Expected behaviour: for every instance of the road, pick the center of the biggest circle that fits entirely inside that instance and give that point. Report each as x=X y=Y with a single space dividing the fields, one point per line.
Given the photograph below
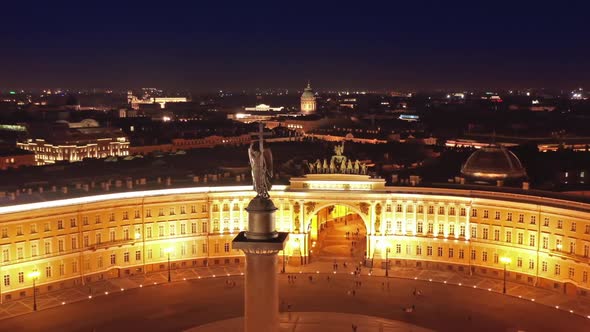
x=185 y=304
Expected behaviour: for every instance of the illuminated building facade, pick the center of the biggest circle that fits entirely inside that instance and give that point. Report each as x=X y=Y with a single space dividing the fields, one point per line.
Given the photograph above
x=308 y=102
x=78 y=240
x=48 y=153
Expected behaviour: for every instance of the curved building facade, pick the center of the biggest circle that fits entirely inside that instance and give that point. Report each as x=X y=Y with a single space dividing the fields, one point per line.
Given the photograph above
x=308 y=102
x=80 y=240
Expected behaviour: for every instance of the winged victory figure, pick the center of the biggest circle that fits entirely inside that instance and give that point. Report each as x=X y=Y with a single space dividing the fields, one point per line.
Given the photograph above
x=261 y=164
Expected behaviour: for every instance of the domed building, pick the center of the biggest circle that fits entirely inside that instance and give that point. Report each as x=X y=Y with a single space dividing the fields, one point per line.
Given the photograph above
x=308 y=103
x=491 y=164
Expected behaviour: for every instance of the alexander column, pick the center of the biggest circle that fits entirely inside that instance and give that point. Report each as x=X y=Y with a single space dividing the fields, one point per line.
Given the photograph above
x=261 y=243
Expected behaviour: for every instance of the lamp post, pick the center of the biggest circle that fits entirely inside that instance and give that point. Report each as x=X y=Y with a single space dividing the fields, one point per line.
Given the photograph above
x=283 y=260
x=387 y=262
x=34 y=275
x=505 y=261
x=168 y=251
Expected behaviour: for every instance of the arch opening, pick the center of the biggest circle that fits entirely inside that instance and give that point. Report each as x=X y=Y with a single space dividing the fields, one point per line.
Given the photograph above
x=337 y=232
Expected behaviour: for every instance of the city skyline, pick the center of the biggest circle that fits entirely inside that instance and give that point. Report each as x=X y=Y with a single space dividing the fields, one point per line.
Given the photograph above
x=394 y=46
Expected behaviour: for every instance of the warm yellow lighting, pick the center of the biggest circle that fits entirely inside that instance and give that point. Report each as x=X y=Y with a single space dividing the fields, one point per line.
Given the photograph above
x=168 y=250
x=559 y=246
x=505 y=260
x=137 y=236
x=34 y=274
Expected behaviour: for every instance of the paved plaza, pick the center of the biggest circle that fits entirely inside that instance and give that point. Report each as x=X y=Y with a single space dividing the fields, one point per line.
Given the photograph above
x=149 y=303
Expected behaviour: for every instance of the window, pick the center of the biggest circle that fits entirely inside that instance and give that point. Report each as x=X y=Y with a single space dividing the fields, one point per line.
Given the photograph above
x=125 y=215
x=19 y=230
x=559 y=224
x=573 y=229
x=5 y=255
x=461 y=253
x=21 y=277
x=148 y=213
x=19 y=253
x=586 y=250
x=557 y=269
x=74 y=267
x=113 y=259
x=486 y=214
x=485 y=234
x=462 y=231
x=440 y=251
x=203 y=208
x=98 y=238
x=126 y=257
x=150 y=253
x=509 y=216
x=585 y=276
x=544 y=266
x=204 y=247
x=398 y=208
x=183 y=228
x=160 y=212
x=85 y=221
x=533 y=220
x=462 y=212
x=420 y=209
x=473 y=254
x=172 y=229
x=452 y=230
x=519 y=262
x=451 y=253
x=531 y=264
x=410 y=208
x=73 y=222
x=420 y=228
x=558 y=244
x=430 y=228
x=441 y=210
x=193 y=209
x=399 y=226
x=497 y=215
x=572 y=247
x=48 y=271
x=183 y=209
x=112 y=216
x=451 y=211
x=148 y=232
x=474 y=212
x=474 y=231
x=47 y=227
x=97 y=219
x=429 y=251
x=520 y=238
x=60 y=224
x=226 y=247
x=204 y=227
x=60 y=245
x=47 y=248
x=138 y=255
x=521 y=218
x=545 y=242
x=33 y=228
x=194 y=227
x=137 y=214
x=418 y=250
x=33 y=249
x=484 y=256
x=126 y=233
x=112 y=235
x=7 y=280
x=172 y=211
x=216 y=248
x=86 y=241
x=161 y=230
x=546 y=222
x=496 y=235
x=431 y=210
x=532 y=240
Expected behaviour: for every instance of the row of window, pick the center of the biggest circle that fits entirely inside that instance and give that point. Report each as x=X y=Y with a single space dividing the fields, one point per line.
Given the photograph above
x=126 y=259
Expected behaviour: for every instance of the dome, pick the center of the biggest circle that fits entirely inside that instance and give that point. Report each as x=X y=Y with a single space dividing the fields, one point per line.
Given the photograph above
x=493 y=163
x=308 y=92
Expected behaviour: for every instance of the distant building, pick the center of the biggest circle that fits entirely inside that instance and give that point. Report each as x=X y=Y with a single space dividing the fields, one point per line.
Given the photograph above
x=134 y=102
x=308 y=102
x=63 y=141
x=264 y=108
x=15 y=158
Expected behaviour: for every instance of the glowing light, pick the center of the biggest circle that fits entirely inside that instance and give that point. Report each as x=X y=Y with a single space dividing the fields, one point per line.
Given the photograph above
x=63 y=302
x=126 y=195
x=34 y=274
x=106 y=293
x=505 y=260
x=90 y=296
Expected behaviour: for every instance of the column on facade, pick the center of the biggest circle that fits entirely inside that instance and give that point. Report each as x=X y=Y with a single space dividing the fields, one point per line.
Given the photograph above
x=404 y=217
x=467 y=221
x=415 y=218
x=231 y=215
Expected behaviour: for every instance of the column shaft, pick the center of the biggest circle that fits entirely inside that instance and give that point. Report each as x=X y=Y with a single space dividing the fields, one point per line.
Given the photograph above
x=262 y=293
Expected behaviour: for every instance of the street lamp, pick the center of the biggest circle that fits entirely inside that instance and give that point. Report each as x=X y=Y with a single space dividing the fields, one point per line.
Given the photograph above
x=505 y=261
x=387 y=262
x=559 y=246
x=284 y=260
x=168 y=251
x=34 y=275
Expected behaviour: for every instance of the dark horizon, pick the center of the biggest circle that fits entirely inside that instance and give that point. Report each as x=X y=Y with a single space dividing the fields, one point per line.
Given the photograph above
x=383 y=47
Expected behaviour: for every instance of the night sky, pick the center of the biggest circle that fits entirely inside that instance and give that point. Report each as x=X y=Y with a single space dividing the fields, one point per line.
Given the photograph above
x=245 y=45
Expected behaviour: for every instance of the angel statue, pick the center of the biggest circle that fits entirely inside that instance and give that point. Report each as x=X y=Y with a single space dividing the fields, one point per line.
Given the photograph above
x=261 y=163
